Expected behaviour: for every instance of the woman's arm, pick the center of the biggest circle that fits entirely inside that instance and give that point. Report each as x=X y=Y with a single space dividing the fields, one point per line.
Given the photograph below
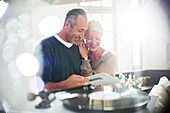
x=85 y=68
x=106 y=64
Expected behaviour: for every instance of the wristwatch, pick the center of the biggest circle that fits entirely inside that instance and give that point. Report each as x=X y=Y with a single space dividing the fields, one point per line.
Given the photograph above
x=85 y=58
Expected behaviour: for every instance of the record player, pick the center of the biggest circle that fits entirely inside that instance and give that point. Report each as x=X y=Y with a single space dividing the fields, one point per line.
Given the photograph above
x=104 y=98
x=102 y=93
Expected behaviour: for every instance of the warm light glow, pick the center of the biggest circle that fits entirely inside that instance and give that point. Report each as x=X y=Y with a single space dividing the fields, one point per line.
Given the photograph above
x=27 y=64
x=3 y=7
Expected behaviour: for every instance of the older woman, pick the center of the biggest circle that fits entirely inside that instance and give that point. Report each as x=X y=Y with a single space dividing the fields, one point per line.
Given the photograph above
x=96 y=59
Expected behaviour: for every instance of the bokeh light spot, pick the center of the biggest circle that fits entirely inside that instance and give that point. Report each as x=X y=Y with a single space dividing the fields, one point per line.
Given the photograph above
x=50 y=25
x=27 y=64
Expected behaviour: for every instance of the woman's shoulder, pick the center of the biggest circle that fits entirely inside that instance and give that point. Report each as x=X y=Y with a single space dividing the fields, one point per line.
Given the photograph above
x=108 y=53
x=109 y=57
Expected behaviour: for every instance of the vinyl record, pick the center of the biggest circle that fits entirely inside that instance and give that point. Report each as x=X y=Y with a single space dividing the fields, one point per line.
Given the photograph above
x=105 y=98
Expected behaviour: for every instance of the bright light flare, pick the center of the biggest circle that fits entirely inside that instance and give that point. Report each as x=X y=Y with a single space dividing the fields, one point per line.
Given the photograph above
x=27 y=64
x=50 y=25
x=3 y=7
x=36 y=84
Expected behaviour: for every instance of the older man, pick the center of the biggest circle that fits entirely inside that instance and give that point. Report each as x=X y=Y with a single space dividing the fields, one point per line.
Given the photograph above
x=59 y=58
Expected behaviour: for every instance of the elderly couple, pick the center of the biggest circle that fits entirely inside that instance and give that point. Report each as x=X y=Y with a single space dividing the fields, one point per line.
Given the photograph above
x=73 y=53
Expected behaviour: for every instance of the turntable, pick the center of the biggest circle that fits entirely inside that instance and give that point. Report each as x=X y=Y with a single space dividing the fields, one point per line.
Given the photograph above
x=104 y=98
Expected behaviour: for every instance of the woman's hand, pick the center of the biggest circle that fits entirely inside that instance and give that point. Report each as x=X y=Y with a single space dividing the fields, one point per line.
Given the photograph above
x=83 y=52
x=82 y=47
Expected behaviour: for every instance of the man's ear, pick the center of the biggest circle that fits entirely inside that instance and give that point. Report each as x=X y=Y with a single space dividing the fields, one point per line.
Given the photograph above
x=67 y=24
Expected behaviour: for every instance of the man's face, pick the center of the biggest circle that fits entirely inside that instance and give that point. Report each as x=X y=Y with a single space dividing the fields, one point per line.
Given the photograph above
x=74 y=34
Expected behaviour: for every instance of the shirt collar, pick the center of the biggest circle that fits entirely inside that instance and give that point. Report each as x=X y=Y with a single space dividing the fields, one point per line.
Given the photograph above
x=67 y=44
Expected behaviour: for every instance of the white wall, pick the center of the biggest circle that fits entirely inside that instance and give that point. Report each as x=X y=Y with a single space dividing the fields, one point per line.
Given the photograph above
x=39 y=13
x=156 y=36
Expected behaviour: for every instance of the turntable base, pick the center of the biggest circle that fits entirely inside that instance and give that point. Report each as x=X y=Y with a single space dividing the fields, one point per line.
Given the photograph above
x=106 y=98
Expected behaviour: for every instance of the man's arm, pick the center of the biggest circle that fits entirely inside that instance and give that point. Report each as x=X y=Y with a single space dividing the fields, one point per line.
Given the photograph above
x=73 y=80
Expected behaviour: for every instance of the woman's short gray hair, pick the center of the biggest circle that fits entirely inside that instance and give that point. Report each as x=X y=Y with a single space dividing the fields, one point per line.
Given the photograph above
x=95 y=26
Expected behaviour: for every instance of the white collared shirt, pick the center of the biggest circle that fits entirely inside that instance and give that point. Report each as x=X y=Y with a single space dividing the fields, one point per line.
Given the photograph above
x=67 y=44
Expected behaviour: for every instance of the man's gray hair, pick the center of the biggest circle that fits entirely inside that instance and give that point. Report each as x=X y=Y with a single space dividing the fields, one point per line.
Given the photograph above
x=95 y=26
x=73 y=14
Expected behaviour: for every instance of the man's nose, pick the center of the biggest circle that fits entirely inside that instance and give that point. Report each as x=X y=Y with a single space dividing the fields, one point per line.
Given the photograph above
x=82 y=35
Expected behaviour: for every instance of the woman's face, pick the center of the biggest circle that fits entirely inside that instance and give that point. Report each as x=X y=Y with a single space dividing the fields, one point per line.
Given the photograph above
x=93 y=40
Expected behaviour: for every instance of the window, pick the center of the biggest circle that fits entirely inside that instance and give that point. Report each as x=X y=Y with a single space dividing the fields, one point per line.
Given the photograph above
x=102 y=11
x=120 y=33
x=102 y=3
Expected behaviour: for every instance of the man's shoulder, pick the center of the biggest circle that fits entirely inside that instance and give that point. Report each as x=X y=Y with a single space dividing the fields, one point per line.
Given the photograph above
x=49 y=40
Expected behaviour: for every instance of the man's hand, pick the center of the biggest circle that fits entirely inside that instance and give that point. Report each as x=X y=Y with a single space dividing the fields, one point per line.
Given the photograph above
x=75 y=80
x=72 y=81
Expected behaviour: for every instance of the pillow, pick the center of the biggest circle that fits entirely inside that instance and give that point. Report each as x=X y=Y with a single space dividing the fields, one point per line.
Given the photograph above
x=162 y=91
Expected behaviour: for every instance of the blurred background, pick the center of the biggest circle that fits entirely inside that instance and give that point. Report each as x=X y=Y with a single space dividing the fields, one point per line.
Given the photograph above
x=136 y=31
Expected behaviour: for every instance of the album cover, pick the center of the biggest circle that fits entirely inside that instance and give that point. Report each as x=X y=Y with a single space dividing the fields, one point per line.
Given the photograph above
x=102 y=79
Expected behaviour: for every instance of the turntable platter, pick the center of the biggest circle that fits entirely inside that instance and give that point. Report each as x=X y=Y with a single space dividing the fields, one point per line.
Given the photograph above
x=101 y=95
x=106 y=98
